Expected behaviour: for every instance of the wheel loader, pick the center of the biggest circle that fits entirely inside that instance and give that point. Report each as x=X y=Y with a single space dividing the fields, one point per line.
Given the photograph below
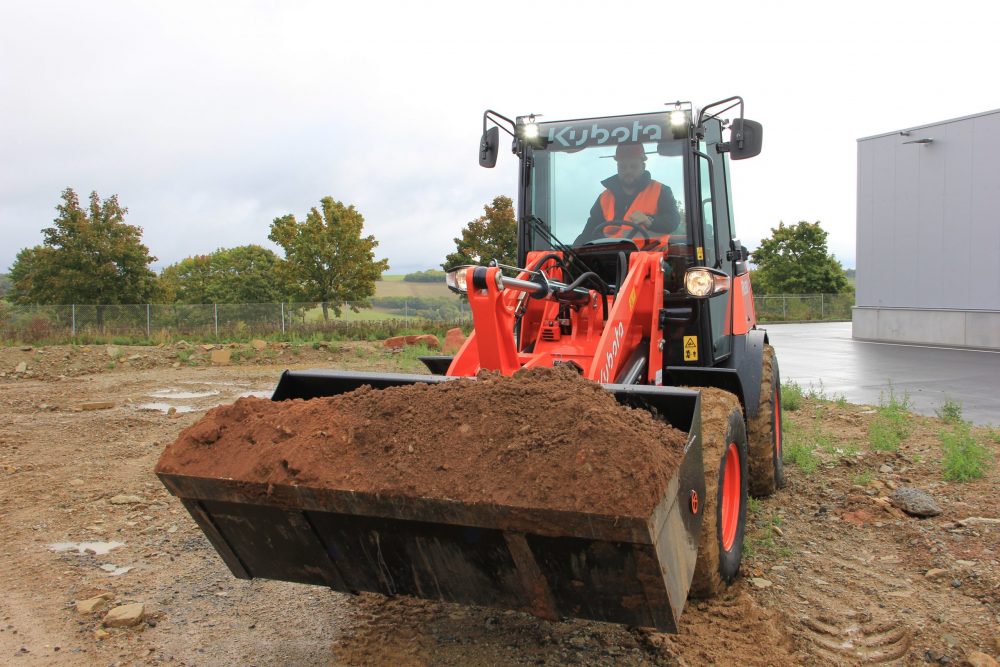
x=652 y=300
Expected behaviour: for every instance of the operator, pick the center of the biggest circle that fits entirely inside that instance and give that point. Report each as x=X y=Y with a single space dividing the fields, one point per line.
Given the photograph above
x=646 y=207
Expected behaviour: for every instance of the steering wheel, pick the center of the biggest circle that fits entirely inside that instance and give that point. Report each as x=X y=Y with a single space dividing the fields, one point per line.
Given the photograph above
x=624 y=229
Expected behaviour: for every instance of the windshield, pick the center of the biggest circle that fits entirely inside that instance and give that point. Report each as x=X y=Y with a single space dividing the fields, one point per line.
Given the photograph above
x=568 y=179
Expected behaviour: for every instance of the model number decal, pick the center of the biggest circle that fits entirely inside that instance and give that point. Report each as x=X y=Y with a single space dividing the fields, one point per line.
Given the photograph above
x=616 y=346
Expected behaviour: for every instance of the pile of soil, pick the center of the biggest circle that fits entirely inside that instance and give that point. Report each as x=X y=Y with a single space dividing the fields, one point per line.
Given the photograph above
x=542 y=438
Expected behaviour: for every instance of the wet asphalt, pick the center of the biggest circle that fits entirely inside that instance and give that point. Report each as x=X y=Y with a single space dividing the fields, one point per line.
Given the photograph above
x=825 y=357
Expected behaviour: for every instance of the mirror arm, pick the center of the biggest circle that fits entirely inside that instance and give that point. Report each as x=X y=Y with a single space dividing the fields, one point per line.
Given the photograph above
x=496 y=118
x=736 y=101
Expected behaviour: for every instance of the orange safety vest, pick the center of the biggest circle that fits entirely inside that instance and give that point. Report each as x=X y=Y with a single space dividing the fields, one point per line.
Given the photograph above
x=645 y=202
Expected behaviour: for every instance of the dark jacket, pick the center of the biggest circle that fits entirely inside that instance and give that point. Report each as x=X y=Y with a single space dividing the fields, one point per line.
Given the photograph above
x=665 y=220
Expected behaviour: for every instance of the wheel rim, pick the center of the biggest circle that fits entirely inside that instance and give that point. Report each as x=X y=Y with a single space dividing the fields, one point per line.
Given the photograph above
x=730 y=496
x=776 y=418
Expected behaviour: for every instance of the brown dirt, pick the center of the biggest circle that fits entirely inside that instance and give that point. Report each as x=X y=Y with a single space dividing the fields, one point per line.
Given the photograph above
x=543 y=438
x=831 y=591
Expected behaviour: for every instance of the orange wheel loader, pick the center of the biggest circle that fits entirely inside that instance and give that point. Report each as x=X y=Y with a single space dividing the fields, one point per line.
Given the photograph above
x=650 y=298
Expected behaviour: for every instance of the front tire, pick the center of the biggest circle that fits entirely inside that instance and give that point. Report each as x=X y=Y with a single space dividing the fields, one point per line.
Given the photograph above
x=766 y=470
x=724 y=452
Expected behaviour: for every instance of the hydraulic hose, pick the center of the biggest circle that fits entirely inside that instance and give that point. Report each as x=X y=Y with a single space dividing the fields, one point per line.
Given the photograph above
x=602 y=288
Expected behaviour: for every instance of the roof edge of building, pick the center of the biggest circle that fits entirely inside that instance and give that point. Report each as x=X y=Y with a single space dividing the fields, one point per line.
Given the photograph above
x=929 y=125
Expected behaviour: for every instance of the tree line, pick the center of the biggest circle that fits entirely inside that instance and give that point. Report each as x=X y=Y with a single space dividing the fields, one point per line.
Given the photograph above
x=91 y=255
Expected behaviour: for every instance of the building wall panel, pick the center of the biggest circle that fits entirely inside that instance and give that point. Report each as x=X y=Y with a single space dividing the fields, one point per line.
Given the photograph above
x=928 y=234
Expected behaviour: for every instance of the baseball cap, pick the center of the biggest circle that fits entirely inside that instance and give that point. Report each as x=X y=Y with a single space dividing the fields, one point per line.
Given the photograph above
x=630 y=151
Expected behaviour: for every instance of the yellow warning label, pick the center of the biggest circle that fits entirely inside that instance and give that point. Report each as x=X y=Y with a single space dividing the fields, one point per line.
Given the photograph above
x=701 y=253
x=631 y=300
x=690 y=348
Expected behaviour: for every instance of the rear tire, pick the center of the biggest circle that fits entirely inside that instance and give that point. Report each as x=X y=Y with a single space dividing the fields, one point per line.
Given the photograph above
x=766 y=470
x=724 y=452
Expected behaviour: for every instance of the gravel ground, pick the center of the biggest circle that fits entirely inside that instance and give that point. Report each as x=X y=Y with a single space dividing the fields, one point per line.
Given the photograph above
x=834 y=574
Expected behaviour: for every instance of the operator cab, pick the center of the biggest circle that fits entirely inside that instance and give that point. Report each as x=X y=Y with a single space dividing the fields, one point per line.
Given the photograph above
x=567 y=167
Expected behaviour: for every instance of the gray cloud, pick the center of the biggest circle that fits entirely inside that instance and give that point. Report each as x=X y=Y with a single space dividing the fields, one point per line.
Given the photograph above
x=210 y=119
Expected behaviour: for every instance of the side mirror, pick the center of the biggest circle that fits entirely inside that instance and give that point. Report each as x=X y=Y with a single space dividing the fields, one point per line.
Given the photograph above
x=489 y=147
x=745 y=138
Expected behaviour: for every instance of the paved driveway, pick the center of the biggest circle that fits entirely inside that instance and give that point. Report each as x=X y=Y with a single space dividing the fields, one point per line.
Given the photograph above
x=861 y=371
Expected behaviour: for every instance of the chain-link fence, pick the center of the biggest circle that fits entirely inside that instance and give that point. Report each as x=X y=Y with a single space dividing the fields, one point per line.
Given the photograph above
x=379 y=318
x=224 y=320
x=803 y=307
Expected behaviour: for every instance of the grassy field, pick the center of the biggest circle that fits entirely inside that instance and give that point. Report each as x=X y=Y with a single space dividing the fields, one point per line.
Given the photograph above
x=348 y=315
x=396 y=286
x=389 y=286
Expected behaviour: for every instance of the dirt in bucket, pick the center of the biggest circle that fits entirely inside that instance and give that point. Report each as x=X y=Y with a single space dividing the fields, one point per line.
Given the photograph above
x=542 y=438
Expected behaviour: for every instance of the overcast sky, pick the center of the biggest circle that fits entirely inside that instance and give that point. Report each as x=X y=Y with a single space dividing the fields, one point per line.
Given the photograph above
x=209 y=119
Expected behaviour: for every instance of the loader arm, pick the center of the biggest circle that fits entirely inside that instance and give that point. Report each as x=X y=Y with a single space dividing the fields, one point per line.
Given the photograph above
x=562 y=326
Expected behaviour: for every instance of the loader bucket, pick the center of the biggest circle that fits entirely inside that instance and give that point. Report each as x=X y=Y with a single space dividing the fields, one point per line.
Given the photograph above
x=628 y=570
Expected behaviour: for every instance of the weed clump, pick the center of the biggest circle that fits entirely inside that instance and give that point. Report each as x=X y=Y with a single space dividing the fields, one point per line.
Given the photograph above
x=800 y=449
x=950 y=412
x=891 y=424
x=964 y=458
x=791 y=395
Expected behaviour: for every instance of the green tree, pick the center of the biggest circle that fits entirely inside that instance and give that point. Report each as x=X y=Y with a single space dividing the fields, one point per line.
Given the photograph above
x=326 y=258
x=88 y=256
x=5 y=284
x=490 y=236
x=795 y=260
x=245 y=274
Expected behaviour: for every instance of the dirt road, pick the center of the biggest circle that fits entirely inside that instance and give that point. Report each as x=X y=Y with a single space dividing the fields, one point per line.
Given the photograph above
x=833 y=574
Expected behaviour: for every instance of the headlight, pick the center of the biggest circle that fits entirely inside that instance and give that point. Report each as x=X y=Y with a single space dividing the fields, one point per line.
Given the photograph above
x=702 y=282
x=678 y=118
x=455 y=279
x=530 y=133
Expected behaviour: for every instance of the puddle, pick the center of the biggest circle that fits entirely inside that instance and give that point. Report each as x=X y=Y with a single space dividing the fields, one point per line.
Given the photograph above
x=96 y=548
x=114 y=570
x=182 y=395
x=164 y=407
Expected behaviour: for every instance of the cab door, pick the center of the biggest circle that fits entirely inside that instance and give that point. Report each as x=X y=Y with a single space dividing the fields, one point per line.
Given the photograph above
x=717 y=234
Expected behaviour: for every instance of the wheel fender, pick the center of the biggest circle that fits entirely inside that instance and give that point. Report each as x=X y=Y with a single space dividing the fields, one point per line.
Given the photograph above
x=739 y=374
x=748 y=362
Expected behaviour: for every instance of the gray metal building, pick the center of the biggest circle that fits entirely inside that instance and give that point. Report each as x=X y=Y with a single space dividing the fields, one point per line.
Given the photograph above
x=928 y=235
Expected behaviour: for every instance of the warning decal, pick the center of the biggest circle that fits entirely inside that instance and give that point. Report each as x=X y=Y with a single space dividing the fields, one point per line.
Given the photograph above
x=690 y=348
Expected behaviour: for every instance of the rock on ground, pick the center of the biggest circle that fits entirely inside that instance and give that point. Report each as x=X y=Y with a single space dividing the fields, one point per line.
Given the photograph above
x=914 y=502
x=125 y=616
x=91 y=605
x=221 y=357
x=453 y=341
x=124 y=500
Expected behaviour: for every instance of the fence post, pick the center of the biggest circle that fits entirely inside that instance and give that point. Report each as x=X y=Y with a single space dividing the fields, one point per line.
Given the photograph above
x=282 y=317
x=73 y=310
x=822 y=306
x=147 y=320
x=216 y=319
x=784 y=307
x=406 y=308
